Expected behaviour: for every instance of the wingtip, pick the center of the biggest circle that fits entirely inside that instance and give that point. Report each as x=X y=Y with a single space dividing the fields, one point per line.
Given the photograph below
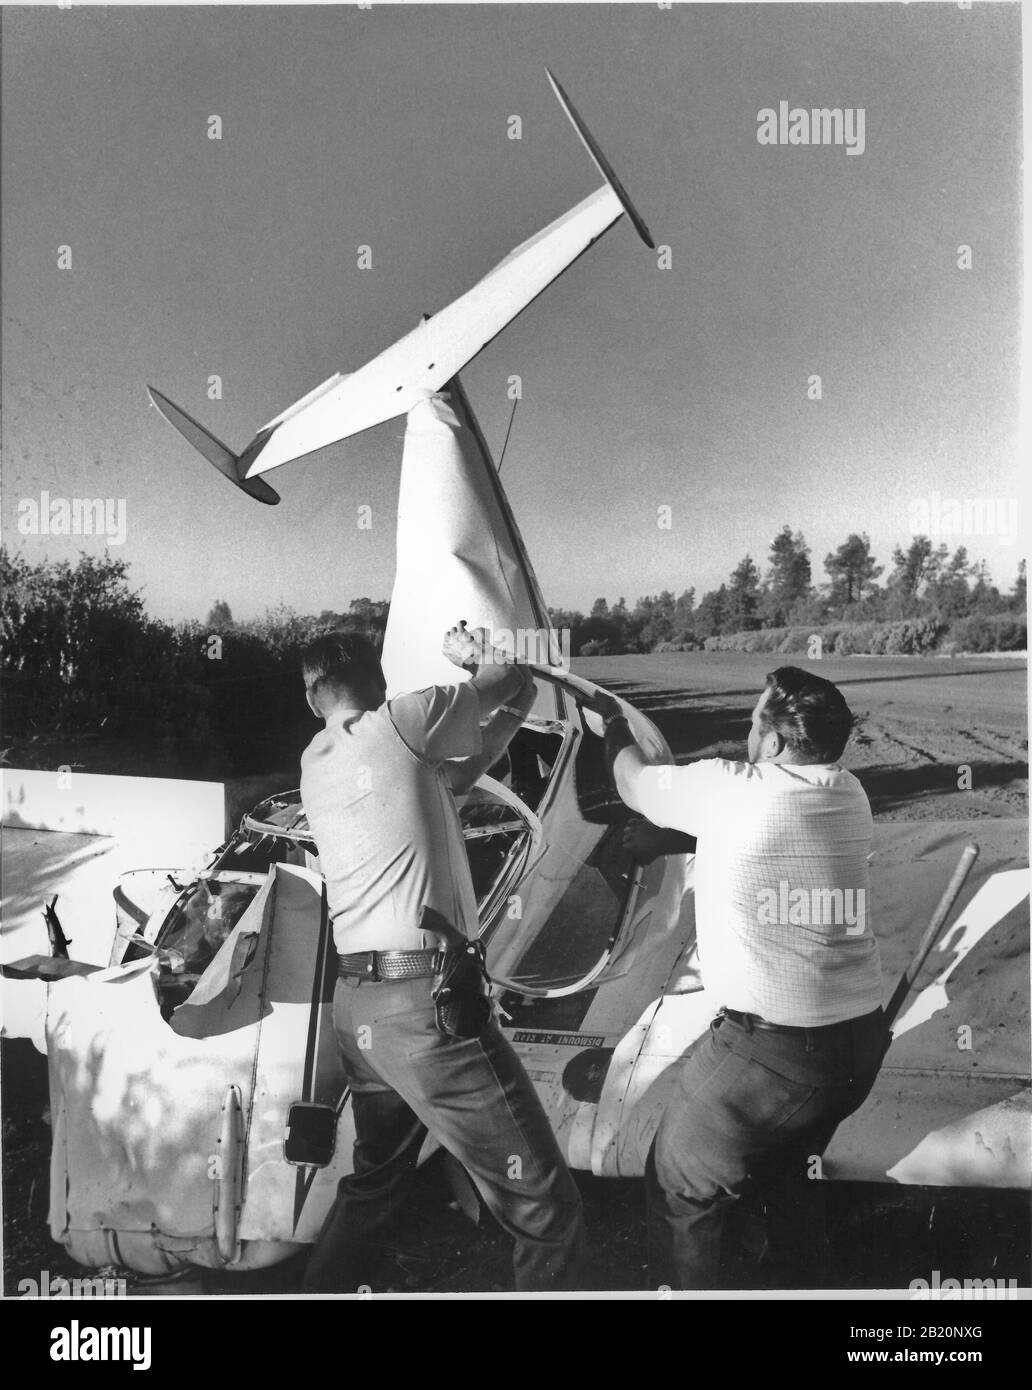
x=204 y=442
x=601 y=162
x=642 y=229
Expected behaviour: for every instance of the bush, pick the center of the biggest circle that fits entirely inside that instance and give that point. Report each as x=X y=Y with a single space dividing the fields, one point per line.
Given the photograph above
x=984 y=633
x=758 y=640
x=594 y=649
x=780 y=640
x=876 y=640
x=913 y=637
x=855 y=639
x=84 y=667
x=796 y=639
x=1013 y=635
x=1002 y=632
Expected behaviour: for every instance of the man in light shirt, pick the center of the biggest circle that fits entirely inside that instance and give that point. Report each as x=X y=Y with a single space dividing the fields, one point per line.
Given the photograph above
x=787 y=954
x=378 y=788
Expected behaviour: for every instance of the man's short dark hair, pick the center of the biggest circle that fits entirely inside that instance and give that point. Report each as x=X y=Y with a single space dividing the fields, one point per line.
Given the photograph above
x=341 y=660
x=808 y=712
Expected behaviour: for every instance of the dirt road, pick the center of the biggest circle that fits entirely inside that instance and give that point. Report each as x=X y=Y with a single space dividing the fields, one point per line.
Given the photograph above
x=936 y=739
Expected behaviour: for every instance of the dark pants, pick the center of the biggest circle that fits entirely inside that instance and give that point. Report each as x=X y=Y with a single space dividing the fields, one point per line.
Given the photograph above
x=752 y=1111
x=475 y=1098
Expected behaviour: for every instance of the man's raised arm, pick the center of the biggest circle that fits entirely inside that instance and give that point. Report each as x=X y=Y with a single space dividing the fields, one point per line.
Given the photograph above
x=495 y=735
x=505 y=692
x=495 y=678
x=622 y=752
x=639 y=786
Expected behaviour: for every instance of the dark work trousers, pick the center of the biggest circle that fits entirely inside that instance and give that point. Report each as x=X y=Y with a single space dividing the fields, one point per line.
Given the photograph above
x=752 y=1110
x=475 y=1098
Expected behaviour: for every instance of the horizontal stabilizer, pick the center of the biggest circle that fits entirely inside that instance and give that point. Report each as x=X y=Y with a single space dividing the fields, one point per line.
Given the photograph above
x=604 y=167
x=211 y=448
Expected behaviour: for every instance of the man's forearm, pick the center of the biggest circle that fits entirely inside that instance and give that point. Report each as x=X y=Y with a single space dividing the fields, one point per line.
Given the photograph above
x=464 y=773
x=625 y=759
x=496 y=680
x=496 y=736
x=499 y=683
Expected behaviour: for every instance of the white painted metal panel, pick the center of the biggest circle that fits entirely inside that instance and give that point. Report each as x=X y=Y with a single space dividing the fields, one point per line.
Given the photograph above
x=460 y=553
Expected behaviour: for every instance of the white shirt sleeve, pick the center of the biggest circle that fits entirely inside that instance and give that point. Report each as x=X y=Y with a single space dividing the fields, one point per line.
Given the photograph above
x=440 y=722
x=680 y=798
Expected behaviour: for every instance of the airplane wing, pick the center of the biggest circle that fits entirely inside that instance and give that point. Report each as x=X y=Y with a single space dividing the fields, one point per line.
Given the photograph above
x=431 y=354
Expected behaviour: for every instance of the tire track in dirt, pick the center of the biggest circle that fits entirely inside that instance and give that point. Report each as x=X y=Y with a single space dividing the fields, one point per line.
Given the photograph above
x=938 y=769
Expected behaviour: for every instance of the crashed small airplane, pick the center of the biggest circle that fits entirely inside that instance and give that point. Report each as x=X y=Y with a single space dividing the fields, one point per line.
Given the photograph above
x=199 y=1108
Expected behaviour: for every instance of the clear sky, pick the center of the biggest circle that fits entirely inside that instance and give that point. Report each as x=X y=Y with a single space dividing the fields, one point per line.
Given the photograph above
x=642 y=387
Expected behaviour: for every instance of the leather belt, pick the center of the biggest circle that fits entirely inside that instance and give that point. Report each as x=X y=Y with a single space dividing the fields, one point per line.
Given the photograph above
x=751 y=1021
x=375 y=966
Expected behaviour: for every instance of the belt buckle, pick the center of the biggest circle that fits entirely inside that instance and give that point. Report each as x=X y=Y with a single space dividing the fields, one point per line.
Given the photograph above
x=374 y=977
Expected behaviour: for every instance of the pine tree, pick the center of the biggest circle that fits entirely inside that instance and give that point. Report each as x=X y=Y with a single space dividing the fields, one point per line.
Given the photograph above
x=743 y=597
x=219 y=616
x=852 y=571
x=788 y=578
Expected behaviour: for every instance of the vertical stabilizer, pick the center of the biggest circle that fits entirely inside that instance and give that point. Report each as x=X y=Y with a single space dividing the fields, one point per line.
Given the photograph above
x=460 y=554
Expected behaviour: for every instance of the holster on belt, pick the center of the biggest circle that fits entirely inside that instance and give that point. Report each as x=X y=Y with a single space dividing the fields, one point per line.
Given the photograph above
x=462 y=1004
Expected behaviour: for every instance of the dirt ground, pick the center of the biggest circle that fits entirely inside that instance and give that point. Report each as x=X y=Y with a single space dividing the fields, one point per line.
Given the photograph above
x=937 y=740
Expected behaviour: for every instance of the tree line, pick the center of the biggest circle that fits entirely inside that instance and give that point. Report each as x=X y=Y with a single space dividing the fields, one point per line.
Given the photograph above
x=925 y=582
x=91 y=681
x=90 y=678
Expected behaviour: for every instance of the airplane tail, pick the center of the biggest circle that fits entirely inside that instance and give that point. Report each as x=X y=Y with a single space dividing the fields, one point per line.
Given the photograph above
x=601 y=162
x=212 y=449
x=433 y=353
